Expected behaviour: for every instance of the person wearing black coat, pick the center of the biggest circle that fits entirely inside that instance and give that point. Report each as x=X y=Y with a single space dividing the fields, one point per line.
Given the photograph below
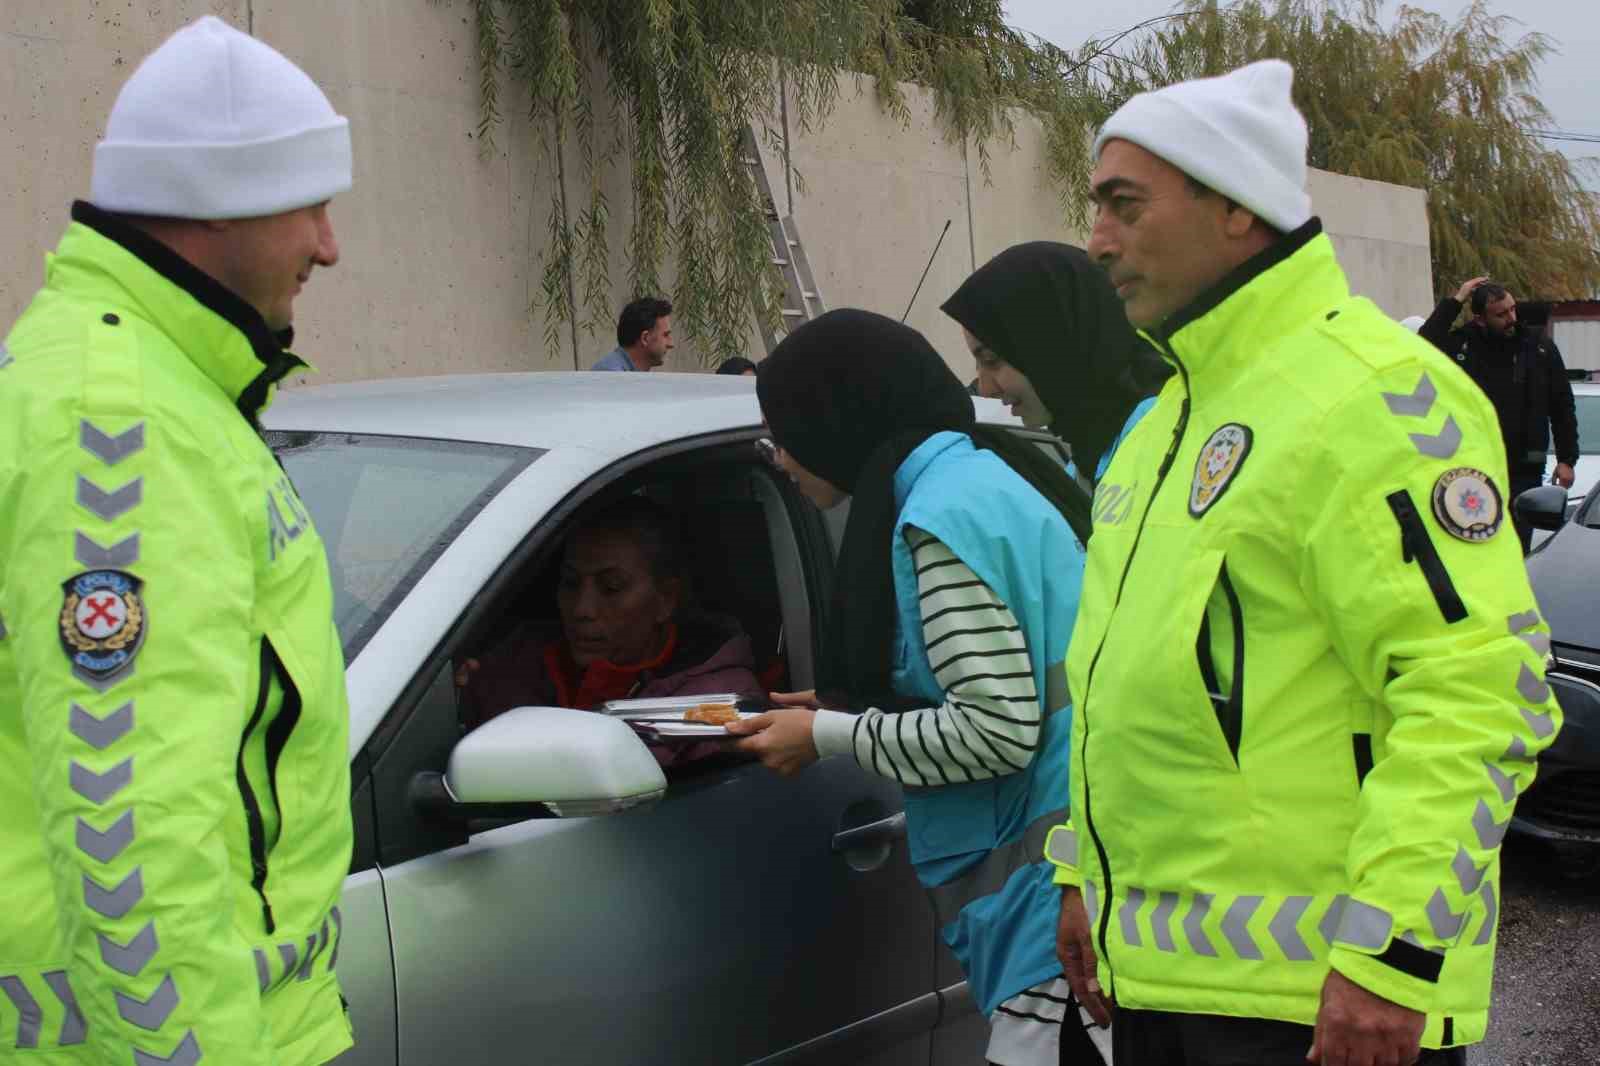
x=1523 y=375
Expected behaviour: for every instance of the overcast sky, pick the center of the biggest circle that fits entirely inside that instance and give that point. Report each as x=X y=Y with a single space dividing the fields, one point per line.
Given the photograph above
x=1569 y=83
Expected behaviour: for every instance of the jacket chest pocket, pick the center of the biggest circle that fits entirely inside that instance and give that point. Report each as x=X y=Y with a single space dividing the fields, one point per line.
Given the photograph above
x=1199 y=643
x=1219 y=654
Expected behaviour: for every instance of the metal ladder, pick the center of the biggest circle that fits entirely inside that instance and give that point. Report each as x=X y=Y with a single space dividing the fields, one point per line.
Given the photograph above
x=801 y=300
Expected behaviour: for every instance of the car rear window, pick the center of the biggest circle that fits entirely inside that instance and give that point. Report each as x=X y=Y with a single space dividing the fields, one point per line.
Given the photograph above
x=386 y=507
x=1588 y=422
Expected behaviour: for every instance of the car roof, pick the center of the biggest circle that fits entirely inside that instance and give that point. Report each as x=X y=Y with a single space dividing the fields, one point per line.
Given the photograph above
x=614 y=413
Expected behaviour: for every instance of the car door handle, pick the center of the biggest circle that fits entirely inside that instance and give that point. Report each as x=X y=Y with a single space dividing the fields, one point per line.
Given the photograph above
x=883 y=831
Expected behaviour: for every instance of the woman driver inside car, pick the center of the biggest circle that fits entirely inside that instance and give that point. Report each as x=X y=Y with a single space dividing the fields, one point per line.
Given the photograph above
x=623 y=633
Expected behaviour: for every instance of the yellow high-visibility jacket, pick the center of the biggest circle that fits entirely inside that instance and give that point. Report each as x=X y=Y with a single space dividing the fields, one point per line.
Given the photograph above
x=1308 y=669
x=174 y=765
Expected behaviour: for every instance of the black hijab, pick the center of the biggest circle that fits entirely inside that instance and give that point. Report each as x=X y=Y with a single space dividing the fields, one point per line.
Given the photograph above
x=850 y=395
x=1049 y=311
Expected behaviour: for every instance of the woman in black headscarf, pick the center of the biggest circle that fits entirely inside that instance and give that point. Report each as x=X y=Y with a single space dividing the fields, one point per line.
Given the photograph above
x=1053 y=341
x=953 y=600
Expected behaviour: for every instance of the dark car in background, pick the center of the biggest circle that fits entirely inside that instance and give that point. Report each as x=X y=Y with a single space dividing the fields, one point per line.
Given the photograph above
x=1564 y=802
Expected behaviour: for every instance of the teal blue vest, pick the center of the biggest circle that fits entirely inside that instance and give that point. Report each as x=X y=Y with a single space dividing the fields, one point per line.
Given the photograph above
x=978 y=846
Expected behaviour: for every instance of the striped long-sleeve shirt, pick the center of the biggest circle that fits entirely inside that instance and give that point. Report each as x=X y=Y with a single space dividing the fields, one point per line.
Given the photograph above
x=988 y=725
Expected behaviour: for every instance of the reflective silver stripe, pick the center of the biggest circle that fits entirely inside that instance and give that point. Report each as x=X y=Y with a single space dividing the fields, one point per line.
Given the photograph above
x=97 y=788
x=1539 y=642
x=29 y=1015
x=1091 y=901
x=1198 y=909
x=117 y=902
x=1529 y=687
x=338 y=937
x=187 y=1053
x=1467 y=873
x=990 y=875
x=1364 y=926
x=1284 y=931
x=1441 y=445
x=1542 y=724
x=290 y=957
x=1056 y=694
x=132 y=958
x=104 y=847
x=263 y=970
x=1415 y=404
x=123 y=553
x=5 y=361
x=1061 y=846
x=1491 y=910
x=101 y=733
x=109 y=506
x=1506 y=786
x=1517 y=751
x=1490 y=832
x=1161 y=921
x=1234 y=926
x=150 y=1014
x=311 y=957
x=1128 y=915
x=1446 y=923
x=1329 y=926
x=109 y=449
x=74 y=1030
x=1525 y=620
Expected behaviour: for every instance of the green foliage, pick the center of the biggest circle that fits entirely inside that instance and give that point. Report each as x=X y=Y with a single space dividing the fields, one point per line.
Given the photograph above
x=668 y=87
x=1446 y=106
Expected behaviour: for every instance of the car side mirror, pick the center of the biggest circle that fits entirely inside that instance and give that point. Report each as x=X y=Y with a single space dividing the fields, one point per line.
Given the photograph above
x=1542 y=508
x=543 y=761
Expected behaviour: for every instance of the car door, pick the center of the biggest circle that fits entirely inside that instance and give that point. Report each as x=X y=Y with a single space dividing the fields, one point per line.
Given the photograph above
x=730 y=923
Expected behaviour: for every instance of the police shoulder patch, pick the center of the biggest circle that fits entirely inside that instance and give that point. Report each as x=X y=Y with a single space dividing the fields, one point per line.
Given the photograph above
x=103 y=623
x=1467 y=504
x=1220 y=459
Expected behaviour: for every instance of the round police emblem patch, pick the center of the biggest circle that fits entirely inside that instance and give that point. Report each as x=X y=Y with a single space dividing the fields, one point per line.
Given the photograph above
x=1220 y=459
x=102 y=624
x=1467 y=504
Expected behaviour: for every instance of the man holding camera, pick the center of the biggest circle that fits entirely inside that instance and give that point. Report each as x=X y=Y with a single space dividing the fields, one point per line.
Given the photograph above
x=1523 y=376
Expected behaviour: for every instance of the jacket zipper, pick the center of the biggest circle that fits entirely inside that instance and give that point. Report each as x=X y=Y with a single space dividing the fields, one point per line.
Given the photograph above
x=1416 y=545
x=1088 y=684
x=1230 y=708
x=252 y=807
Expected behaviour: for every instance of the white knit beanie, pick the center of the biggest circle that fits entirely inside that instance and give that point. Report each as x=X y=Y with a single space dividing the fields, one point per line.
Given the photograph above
x=215 y=124
x=1239 y=135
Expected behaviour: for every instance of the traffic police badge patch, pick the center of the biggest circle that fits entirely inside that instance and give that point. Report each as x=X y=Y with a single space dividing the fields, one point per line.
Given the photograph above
x=1224 y=453
x=102 y=624
x=1467 y=504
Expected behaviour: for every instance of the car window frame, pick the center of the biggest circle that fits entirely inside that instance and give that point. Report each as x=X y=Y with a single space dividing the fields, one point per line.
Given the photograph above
x=422 y=689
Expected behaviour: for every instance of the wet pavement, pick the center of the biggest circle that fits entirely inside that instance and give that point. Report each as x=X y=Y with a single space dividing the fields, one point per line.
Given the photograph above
x=1546 y=1008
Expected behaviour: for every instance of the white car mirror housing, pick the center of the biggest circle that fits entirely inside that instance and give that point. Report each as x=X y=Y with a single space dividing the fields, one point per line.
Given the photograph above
x=575 y=763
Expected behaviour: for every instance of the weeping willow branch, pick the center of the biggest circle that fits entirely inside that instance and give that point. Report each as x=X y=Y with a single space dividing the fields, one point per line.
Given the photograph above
x=681 y=80
x=1449 y=107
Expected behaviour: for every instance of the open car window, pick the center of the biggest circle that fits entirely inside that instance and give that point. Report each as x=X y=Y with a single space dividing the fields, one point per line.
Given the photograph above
x=386 y=507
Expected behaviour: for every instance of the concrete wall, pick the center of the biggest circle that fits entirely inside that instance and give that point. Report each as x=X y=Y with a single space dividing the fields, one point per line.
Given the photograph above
x=443 y=245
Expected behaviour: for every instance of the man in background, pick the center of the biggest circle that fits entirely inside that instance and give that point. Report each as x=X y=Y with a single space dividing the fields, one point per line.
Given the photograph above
x=1523 y=375
x=644 y=336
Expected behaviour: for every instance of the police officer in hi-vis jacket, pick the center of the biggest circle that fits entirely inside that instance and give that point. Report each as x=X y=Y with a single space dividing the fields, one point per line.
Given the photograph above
x=1308 y=671
x=174 y=779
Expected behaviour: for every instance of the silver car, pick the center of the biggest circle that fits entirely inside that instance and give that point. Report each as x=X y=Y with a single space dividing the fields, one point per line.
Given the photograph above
x=538 y=890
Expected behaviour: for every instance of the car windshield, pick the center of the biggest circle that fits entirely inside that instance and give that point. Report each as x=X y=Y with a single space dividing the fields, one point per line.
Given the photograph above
x=386 y=507
x=1588 y=422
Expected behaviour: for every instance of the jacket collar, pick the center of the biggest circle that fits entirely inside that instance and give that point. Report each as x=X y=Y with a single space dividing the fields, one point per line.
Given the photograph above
x=218 y=332
x=1271 y=294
